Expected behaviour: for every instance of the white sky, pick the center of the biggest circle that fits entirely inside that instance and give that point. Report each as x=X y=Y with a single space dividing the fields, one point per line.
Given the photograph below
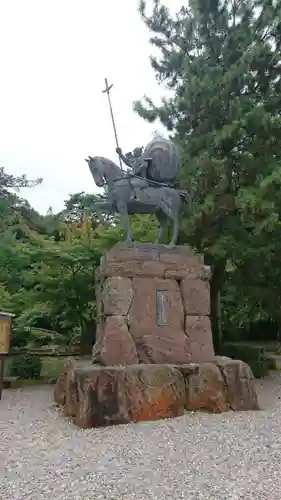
x=54 y=57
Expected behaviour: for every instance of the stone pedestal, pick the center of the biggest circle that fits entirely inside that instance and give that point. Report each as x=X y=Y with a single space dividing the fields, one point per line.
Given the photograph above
x=154 y=343
x=98 y=395
x=153 y=307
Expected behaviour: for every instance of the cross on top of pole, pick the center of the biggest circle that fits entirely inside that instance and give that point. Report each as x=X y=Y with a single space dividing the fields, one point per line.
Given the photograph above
x=107 y=91
x=107 y=87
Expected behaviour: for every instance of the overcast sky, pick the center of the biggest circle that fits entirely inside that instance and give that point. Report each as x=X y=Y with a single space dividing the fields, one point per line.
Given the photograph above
x=54 y=57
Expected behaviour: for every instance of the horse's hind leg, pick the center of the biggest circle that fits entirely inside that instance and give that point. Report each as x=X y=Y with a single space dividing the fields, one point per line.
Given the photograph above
x=169 y=209
x=175 y=230
x=175 y=219
x=163 y=221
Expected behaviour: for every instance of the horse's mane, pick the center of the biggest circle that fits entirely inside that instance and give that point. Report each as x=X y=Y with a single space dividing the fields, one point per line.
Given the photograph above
x=109 y=164
x=103 y=159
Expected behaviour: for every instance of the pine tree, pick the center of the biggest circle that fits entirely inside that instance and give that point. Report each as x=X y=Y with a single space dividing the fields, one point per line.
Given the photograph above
x=221 y=60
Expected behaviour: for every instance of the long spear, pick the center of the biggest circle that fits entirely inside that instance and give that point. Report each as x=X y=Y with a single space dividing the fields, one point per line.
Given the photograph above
x=107 y=91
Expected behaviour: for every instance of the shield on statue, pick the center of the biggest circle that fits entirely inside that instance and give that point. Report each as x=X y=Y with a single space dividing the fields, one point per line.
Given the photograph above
x=164 y=165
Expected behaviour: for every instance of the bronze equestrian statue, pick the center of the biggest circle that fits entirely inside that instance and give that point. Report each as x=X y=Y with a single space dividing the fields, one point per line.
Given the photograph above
x=147 y=188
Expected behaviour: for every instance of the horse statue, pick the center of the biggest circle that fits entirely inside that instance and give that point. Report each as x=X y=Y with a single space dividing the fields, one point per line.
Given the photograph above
x=148 y=188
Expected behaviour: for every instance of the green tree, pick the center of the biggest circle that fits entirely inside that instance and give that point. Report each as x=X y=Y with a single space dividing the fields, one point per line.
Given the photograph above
x=81 y=205
x=17 y=217
x=58 y=289
x=221 y=62
x=47 y=265
x=144 y=228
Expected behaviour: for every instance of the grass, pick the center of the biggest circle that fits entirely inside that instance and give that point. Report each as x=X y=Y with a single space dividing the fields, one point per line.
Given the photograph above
x=29 y=383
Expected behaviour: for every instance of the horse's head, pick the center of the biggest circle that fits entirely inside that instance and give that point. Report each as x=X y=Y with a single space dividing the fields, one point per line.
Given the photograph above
x=96 y=169
x=103 y=170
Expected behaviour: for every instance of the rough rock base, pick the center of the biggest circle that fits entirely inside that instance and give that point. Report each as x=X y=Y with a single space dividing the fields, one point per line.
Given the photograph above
x=97 y=396
x=153 y=307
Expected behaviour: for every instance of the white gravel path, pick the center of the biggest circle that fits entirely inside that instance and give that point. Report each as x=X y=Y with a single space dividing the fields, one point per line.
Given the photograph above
x=198 y=456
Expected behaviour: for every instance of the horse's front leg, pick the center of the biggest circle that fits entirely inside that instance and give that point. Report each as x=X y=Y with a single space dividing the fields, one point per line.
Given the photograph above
x=123 y=211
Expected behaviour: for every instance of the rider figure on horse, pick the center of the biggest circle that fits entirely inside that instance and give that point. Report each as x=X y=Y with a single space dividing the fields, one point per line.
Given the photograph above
x=138 y=164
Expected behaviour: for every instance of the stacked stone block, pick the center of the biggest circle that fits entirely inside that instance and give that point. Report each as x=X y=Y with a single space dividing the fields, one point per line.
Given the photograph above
x=153 y=306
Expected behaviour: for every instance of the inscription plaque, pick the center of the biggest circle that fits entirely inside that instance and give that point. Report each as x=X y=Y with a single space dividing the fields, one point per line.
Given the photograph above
x=5 y=327
x=5 y=334
x=161 y=307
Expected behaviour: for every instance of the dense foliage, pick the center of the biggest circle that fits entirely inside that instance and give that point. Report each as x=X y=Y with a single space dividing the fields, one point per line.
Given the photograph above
x=221 y=61
x=26 y=366
x=254 y=356
x=47 y=266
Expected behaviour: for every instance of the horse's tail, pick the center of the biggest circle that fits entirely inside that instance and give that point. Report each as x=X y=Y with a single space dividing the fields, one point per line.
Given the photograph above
x=186 y=198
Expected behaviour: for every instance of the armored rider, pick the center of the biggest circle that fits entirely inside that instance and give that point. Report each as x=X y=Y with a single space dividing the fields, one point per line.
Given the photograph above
x=138 y=164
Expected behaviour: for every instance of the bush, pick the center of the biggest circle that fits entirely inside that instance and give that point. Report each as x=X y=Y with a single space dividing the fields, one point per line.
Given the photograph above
x=254 y=356
x=26 y=366
x=20 y=337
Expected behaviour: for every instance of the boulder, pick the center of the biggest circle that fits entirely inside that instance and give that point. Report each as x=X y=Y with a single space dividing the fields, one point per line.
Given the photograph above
x=131 y=268
x=205 y=389
x=71 y=395
x=117 y=296
x=60 y=386
x=195 y=296
x=103 y=395
x=61 y=382
x=240 y=384
x=115 y=395
x=200 y=341
x=116 y=346
x=156 y=321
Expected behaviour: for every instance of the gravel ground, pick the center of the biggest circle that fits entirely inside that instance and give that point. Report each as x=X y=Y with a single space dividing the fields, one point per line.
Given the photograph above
x=198 y=456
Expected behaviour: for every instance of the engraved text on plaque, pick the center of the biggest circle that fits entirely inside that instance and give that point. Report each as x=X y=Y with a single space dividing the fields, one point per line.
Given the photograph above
x=161 y=307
